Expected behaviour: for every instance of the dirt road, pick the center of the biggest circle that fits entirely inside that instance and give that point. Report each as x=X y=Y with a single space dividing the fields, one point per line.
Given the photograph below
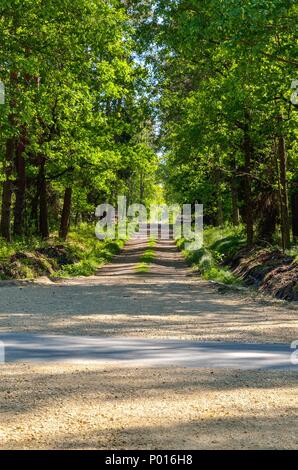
x=109 y=406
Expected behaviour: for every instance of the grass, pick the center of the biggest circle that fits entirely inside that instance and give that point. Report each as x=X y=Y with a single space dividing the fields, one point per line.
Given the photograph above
x=146 y=258
x=90 y=252
x=219 y=244
x=256 y=267
x=81 y=255
x=293 y=251
x=142 y=268
x=152 y=242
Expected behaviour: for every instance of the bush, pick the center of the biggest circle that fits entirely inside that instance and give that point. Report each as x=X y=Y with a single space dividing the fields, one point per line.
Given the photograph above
x=219 y=244
x=81 y=255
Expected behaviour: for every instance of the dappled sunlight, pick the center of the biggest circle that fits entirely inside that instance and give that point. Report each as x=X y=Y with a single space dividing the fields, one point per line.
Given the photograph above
x=165 y=311
x=109 y=407
x=143 y=351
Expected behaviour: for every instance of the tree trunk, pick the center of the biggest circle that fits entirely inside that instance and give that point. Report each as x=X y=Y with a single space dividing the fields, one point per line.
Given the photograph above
x=20 y=187
x=248 y=203
x=235 y=208
x=65 y=218
x=219 y=201
x=294 y=210
x=267 y=202
x=5 y=223
x=284 y=206
x=219 y=212
x=268 y=215
x=33 y=185
x=5 y=229
x=234 y=197
x=141 y=188
x=43 y=203
x=77 y=218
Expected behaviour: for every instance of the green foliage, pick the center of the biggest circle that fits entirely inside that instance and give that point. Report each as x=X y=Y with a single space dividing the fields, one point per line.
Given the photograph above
x=81 y=255
x=182 y=100
x=74 y=105
x=142 y=268
x=224 y=241
x=152 y=242
x=90 y=252
x=225 y=71
x=147 y=257
x=293 y=252
x=219 y=244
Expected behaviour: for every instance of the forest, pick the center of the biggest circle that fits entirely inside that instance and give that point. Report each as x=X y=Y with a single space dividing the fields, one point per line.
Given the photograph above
x=124 y=335
x=161 y=101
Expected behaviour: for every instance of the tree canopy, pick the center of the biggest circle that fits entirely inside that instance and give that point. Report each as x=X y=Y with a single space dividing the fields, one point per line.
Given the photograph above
x=112 y=97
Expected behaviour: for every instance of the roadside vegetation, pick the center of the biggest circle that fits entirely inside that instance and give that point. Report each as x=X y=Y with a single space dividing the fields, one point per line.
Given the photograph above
x=226 y=258
x=146 y=259
x=81 y=255
x=165 y=101
x=218 y=245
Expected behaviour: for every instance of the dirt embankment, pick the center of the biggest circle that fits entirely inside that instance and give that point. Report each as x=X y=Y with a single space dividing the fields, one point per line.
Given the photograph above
x=40 y=262
x=269 y=271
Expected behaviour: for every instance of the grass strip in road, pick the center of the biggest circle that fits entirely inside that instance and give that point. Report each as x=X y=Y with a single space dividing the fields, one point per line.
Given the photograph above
x=152 y=242
x=142 y=268
x=146 y=258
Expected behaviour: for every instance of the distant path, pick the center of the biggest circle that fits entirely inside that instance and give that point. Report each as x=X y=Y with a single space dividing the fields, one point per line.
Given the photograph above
x=168 y=261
